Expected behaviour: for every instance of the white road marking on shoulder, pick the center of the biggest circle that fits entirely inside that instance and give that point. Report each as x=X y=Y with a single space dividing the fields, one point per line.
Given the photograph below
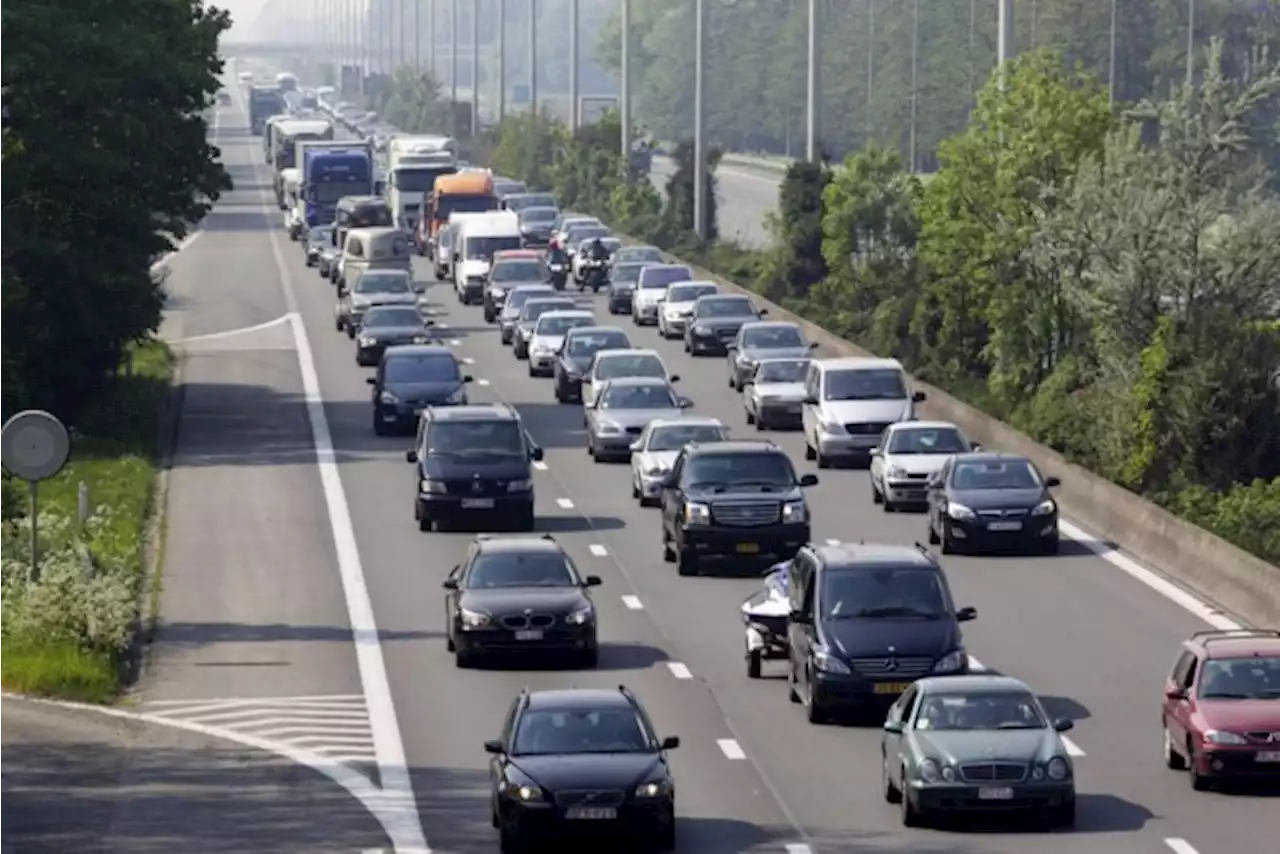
x=1073 y=749
x=679 y=671
x=731 y=749
x=798 y=848
x=467 y=360
x=228 y=333
x=454 y=342
x=565 y=503
x=1180 y=846
x=598 y=550
x=633 y=602
x=833 y=542
x=540 y=465
x=974 y=664
x=483 y=382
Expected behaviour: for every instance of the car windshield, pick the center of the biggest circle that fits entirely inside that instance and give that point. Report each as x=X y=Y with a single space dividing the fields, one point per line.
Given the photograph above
x=519 y=271
x=673 y=437
x=432 y=368
x=322 y=234
x=468 y=438
x=482 y=248
x=689 y=293
x=536 y=308
x=721 y=471
x=995 y=474
x=638 y=397
x=648 y=254
x=661 y=277
x=616 y=367
x=883 y=592
x=580 y=236
x=726 y=307
x=773 y=337
x=927 y=440
x=587 y=344
x=383 y=283
x=625 y=274
x=529 y=216
x=560 y=325
x=547 y=732
x=1254 y=678
x=500 y=568
x=388 y=317
x=790 y=371
x=864 y=384
x=610 y=244
x=989 y=710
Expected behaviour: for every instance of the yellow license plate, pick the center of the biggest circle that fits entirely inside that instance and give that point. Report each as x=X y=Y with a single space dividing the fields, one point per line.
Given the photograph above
x=748 y=548
x=891 y=687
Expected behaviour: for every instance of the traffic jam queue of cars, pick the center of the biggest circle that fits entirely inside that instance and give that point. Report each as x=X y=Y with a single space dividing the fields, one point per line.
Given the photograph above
x=857 y=628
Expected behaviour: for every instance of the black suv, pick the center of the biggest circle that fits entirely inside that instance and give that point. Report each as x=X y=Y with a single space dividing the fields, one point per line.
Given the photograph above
x=866 y=621
x=580 y=759
x=519 y=594
x=473 y=462
x=736 y=500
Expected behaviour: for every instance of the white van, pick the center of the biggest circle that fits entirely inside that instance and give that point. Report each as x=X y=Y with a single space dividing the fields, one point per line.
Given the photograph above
x=849 y=402
x=478 y=236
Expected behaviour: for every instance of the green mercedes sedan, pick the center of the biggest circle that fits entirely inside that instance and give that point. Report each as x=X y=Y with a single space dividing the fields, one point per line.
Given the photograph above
x=972 y=744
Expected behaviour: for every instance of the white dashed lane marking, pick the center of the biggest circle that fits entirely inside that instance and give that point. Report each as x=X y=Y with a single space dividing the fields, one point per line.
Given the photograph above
x=731 y=749
x=798 y=848
x=467 y=360
x=454 y=342
x=1180 y=846
x=565 y=503
x=598 y=550
x=833 y=542
x=678 y=670
x=633 y=603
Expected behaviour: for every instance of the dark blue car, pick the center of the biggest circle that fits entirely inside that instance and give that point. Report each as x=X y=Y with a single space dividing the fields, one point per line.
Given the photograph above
x=410 y=379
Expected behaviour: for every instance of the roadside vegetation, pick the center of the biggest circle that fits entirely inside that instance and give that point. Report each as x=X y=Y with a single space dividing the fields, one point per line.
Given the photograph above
x=80 y=305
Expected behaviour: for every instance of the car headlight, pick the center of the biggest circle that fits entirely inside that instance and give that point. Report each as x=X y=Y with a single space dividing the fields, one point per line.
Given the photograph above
x=581 y=617
x=433 y=487
x=520 y=485
x=654 y=789
x=610 y=429
x=697 y=514
x=1058 y=769
x=522 y=793
x=828 y=663
x=699 y=329
x=1217 y=736
x=833 y=429
x=388 y=398
x=474 y=619
x=958 y=511
x=896 y=473
x=458 y=395
x=952 y=662
x=366 y=341
x=795 y=511
x=933 y=771
x=1044 y=508
x=421 y=339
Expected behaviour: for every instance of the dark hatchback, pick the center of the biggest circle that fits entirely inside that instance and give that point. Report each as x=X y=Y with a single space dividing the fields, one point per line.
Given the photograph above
x=581 y=762
x=519 y=595
x=733 y=502
x=988 y=501
x=866 y=622
x=410 y=379
x=386 y=326
x=473 y=462
x=715 y=323
x=622 y=286
x=580 y=347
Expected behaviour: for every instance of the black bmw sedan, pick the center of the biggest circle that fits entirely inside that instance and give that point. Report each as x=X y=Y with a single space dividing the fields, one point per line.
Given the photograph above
x=989 y=501
x=518 y=595
x=386 y=326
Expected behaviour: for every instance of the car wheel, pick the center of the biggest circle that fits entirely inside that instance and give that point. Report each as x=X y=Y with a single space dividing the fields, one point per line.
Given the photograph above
x=823 y=461
x=509 y=843
x=1172 y=758
x=1199 y=782
x=733 y=382
x=589 y=659
x=351 y=332
x=933 y=537
x=635 y=487
x=452 y=647
x=809 y=453
x=892 y=794
x=792 y=694
x=948 y=544
x=755 y=663
x=1051 y=546
x=532 y=371
x=687 y=563
x=379 y=428
x=815 y=713
x=668 y=553
x=1064 y=816
x=463 y=660
x=687 y=348
x=751 y=419
x=337 y=323
x=876 y=496
x=911 y=817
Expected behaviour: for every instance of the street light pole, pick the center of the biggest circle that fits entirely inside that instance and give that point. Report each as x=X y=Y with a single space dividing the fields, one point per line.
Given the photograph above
x=699 y=152
x=813 y=86
x=533 y=57
x=475 y=68
x=575 y=119
x=453 y=54
x=502 y=59
x=1004 y=37
x=624 y=96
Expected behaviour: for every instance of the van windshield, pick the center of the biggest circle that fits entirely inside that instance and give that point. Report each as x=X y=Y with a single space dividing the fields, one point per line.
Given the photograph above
x=864 y=384
x=482 y=248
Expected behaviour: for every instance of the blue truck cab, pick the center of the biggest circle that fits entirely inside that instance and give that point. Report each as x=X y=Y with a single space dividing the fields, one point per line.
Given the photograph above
x=330 y=174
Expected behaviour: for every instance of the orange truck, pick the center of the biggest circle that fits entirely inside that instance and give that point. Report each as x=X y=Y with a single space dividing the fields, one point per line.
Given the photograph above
x=462 y=192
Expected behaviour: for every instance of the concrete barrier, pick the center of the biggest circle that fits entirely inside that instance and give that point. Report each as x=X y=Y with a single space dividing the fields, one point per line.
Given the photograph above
x=1235 y=580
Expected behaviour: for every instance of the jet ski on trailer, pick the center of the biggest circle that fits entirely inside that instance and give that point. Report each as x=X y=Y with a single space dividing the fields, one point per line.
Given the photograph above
x=765 y=614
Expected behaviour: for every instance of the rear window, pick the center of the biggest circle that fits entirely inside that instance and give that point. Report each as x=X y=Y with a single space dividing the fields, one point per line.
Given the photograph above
x=725 y=307
x=519 y=271
x=661 y=277
x=689 y=293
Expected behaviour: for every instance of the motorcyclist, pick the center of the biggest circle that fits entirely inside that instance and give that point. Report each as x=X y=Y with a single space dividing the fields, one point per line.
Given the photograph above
x=557 y=266
x=598 y=253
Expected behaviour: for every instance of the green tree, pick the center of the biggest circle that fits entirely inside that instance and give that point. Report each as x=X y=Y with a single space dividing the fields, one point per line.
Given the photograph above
x=797 y=264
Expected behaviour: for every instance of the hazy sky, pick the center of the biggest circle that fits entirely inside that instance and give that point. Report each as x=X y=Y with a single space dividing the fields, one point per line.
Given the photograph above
x=242 y=12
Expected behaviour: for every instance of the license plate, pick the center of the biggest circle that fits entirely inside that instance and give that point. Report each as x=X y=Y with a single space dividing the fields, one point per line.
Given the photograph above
x=477 y=503
x=529 y=635
x=1268 y=756
x=1005 y=526
x=591 y=813
x=891 y=687
x=748 y=548
x=1000 y=793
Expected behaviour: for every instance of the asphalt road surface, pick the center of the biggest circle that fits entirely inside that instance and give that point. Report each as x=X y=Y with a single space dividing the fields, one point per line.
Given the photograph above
x=744 y=195
x=753 y=775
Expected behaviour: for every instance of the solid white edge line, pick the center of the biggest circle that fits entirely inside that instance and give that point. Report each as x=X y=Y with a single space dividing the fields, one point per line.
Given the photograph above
x=598 y=550
x=1073 y=749
x=679 y=670
x=401 y=822
x=230 y=333
x=633 y=603
x=564 y=503
x=1180 y=846
x=730 y=748
x=833 y=542
x=324 y=698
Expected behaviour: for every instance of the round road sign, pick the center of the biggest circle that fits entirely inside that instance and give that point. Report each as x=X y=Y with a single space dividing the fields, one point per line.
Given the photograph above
x=35 y=445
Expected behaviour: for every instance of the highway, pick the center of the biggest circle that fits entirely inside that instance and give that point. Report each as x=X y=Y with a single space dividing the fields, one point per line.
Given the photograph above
x=753 y=775
x=744 y=195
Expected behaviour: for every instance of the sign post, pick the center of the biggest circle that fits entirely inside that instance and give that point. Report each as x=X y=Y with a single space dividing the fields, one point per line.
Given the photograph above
x=34 y=446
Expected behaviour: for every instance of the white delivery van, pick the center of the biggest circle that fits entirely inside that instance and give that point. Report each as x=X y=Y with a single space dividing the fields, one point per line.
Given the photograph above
x=478 y=236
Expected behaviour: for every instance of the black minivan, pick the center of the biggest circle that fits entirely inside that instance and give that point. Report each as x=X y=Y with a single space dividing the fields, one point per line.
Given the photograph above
x=409 y=379
x=866 y=621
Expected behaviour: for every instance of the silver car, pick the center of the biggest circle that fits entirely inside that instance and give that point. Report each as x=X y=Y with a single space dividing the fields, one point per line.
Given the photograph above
x=676 y=307
x=621 y=411
x=765 y=339
x=548 y=338
x=514 y=304
x=655 y=452
x=651 y=286
x=909 y=454
x=534 y=309
x=855 y=400
x=616 y=364
x=373 y=287
x=773 y=395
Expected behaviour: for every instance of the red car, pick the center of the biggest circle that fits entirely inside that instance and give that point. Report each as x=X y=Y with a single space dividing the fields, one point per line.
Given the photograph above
x=1221 y=710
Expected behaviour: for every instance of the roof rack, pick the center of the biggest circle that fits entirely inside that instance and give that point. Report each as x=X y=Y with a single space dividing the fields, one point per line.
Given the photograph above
x=1209 y=636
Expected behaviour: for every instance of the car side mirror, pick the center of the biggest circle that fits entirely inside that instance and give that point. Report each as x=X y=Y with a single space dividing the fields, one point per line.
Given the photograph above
x=467 y=378
x=636 y=446
x=410 y=456
x=592 y=581
x=669 y=482
x=671 y=742
x=674 y=378
x=876 y=452
x=799 y=617
x=1051 y=482
x=686 y=403
x=449 y=584
x=1175 y=693
x=919 y=397
x=975 y=447
x=763 y=312
x=370 y=380
x=536 y=455
x=813 y=345
x=810 y=401
x=895 y=727
x=1063 y=725
x=493 y=746
x=808 y=480
x=966 y=614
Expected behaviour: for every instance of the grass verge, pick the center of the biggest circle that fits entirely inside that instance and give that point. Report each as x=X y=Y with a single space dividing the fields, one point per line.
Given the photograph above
x=65 y=634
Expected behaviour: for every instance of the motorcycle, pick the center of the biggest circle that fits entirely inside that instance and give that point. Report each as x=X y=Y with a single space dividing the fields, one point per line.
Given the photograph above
x=594 y=275
x=559 y=274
